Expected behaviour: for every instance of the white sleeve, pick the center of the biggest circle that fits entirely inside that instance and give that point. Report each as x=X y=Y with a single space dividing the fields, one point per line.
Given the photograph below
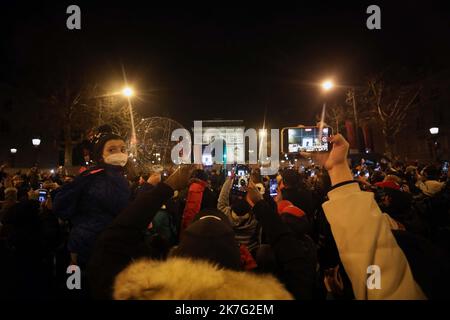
x=364 y=239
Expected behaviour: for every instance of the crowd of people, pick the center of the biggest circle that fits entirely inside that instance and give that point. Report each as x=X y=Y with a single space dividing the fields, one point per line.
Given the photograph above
x=190 y=234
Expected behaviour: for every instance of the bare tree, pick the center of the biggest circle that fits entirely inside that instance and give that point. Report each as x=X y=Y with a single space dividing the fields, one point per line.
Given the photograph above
x=391 y=105
x=114 y=111
x=70 y=111
x=335 y=116
x=79 y=108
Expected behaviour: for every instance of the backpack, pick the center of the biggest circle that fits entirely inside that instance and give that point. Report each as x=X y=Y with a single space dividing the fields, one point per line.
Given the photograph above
x=164 y=224
x=161 y=234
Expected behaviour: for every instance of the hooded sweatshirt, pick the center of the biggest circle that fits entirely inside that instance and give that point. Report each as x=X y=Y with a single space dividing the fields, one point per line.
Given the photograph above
x=244 y=226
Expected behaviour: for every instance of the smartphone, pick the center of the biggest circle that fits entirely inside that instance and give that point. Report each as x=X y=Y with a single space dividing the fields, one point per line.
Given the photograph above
x=306 y=139
x=445 y=167
x=273 y=187
x=43 y=194
x=241 y=180
x=240 y=184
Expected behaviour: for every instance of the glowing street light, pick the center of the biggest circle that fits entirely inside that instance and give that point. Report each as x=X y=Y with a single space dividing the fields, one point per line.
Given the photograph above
x=13 y=156
x=127 y=92
x=434 y=130
x=36 y=142
x=327 y=85
x=262 y=133
x=434 y=133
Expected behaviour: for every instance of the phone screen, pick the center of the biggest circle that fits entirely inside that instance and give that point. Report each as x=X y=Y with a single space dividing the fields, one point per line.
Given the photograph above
x=308 y=139
x=240 y=184
x=42 y=195
x=273 y=187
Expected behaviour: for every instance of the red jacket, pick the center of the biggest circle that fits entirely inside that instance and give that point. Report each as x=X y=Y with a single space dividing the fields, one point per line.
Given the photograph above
x=193 y=202
x=388 y=184
x=286 y=206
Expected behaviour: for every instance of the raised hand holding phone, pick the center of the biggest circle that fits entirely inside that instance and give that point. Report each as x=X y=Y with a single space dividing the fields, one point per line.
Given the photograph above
x=335 y=162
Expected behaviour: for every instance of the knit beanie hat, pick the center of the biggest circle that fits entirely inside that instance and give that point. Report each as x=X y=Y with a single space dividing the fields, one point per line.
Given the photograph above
x=100 y=144
x=210 y=237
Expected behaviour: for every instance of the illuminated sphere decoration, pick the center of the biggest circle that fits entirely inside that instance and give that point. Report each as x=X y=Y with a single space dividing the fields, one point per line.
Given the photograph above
x=154 y=142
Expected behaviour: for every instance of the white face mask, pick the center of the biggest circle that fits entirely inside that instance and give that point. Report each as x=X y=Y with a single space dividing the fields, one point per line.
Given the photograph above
x=117 y=159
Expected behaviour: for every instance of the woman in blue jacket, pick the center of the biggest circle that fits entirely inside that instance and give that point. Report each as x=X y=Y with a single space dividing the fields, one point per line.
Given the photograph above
x=94 y=198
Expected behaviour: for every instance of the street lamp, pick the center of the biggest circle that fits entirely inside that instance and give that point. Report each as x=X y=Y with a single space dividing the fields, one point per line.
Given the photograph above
x=36 y=142
x=128 y=93
x=13 y=156
x=434 y=134
x=327 y=85
x=434 y=130
x=262 y=135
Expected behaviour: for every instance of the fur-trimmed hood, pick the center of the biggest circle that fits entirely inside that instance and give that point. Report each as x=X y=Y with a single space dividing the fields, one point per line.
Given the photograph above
x=187 y=279
x=431 y=187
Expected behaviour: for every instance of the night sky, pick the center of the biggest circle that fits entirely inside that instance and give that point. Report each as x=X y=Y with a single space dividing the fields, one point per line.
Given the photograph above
x=218 y=59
